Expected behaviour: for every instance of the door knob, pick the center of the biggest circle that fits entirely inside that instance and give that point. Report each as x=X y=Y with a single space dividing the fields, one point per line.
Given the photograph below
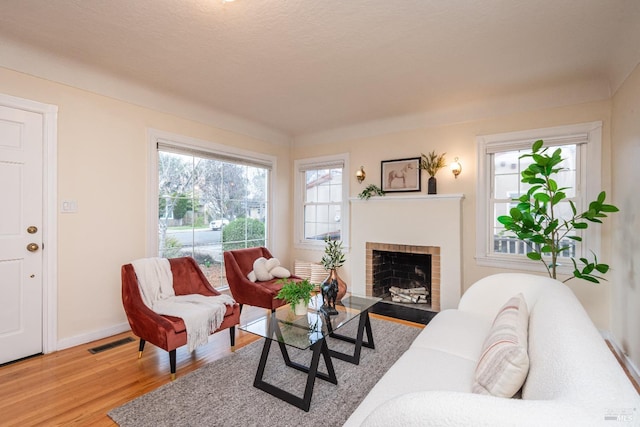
x=32 y=229
x=32 y=247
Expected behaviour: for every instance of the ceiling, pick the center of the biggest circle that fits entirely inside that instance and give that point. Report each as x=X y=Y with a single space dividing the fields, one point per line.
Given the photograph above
x=302 y=66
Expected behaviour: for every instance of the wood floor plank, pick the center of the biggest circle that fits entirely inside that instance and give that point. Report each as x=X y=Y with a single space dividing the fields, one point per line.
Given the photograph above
x=73 y=387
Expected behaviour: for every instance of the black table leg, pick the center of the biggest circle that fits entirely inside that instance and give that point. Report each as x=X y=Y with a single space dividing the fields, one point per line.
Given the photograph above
x=364 y=324
x=319 y=348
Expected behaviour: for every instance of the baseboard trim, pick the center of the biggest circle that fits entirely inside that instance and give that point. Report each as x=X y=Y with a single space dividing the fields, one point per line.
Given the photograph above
x=623 y=359
x=92 y=336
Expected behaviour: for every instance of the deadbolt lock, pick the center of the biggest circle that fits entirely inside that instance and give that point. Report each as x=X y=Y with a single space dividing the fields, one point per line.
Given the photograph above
x=32 y=247
x=32 y=229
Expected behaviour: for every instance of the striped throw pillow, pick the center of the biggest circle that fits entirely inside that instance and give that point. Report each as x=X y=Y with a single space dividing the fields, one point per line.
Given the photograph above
x=302 y=269
x=504 y=362
x=318 y=274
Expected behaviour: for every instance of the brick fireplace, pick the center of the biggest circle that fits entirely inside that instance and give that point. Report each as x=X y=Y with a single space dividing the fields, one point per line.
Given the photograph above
x=424 y=269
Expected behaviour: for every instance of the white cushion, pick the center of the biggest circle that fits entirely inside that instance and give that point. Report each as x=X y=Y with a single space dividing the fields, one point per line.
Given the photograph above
x=418 y=369
x=504 y=361
x=455 y=332
x=252 y=276
x=267 y=269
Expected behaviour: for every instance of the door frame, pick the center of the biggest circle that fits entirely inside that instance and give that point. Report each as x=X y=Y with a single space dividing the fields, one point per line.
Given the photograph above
x=49 y=114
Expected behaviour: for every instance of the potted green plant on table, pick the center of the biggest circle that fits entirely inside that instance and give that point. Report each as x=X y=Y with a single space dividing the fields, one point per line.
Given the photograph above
x=432 y=163
x=296 y=293
x=534 y=219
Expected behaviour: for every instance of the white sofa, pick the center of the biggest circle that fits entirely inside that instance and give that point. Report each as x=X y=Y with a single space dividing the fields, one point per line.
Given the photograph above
x=573 y=378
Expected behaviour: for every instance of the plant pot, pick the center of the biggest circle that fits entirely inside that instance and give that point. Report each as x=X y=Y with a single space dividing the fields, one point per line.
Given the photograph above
x=301 y=308
x=431 y=185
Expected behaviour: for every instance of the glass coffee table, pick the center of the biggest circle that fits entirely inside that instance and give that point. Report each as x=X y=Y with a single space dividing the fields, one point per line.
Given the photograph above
x=309 y=332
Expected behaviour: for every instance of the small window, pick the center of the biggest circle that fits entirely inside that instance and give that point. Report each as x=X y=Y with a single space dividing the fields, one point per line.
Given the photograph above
x=499 y=183
x=321 y=200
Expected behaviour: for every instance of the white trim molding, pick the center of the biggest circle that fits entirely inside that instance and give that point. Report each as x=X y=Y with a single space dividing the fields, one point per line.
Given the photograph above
x=50 y=217
x=155 y=136
x=587 y=134
x=299 y=166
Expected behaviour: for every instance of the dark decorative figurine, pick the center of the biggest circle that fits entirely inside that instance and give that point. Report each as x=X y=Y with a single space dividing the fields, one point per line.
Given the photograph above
x=329 y=295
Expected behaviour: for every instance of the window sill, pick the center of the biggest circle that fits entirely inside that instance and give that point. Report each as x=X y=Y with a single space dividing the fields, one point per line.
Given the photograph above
x=518 y=263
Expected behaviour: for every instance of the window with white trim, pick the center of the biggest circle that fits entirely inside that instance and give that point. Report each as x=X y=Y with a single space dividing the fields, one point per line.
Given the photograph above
x=210 y=198
x=499 y=182
x=321 y=193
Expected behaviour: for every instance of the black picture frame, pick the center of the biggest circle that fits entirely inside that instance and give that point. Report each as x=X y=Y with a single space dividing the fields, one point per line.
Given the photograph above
x=400 y=175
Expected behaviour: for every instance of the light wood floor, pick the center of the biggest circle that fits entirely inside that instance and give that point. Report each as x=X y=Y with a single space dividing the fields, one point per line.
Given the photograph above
x=75 y=387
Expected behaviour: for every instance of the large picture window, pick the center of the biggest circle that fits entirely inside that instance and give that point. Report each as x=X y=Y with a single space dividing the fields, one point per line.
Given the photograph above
x=208 y=202
x=499 y=183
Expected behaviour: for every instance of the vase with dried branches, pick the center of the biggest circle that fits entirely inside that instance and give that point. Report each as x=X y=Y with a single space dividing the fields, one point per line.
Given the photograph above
x=432 y=163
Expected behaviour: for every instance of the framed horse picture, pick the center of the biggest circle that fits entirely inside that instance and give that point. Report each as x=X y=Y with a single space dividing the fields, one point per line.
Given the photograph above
x=400 y=175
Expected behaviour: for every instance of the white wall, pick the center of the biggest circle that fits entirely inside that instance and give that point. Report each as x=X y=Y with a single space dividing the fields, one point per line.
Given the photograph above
x=625 y=139
x=102 y=163
x=459 y=140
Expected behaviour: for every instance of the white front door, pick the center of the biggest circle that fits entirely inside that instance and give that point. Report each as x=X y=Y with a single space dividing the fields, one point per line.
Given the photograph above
x=21 y=221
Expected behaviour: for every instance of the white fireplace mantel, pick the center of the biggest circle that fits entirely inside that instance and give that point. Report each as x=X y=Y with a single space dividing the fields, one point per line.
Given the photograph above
x=417 y=197
x=422 y=220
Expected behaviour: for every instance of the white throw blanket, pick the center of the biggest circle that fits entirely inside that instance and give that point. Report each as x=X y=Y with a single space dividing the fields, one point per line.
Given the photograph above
x=201 y=314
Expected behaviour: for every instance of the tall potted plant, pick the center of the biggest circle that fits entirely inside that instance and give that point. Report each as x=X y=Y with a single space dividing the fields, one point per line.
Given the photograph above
x=534 y=219
x=432 y=163
x=332 y=260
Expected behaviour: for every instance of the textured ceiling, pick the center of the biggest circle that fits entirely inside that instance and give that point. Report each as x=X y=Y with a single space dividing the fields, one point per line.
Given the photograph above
x=304 y=66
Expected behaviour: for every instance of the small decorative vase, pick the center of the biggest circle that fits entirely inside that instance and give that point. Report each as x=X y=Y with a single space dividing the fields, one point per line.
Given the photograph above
x=301 y=308
x=431 y=185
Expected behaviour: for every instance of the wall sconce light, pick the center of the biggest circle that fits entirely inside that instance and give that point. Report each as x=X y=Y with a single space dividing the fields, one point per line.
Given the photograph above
x=361 y=174
x=456 y=167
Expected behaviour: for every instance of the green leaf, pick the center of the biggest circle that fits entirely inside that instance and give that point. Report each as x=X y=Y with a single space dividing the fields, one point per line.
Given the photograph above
x=537 y=146
x=534 y=256
x=542 y=197
x=576 y=238
x=536 y=181
x=590 y=279
x=536 y=168
x=580 y=225
x=602 y=268
x=537 y=239
x=533 y=190
x=553 y=186
x=504 y=219
x=573 y=207
x=515 y=214
x=609 y=208
x=601 y=197
x=541 y=160
x=558 y=197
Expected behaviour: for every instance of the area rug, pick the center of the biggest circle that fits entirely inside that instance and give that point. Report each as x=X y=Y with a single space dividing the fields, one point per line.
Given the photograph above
x=221 y=393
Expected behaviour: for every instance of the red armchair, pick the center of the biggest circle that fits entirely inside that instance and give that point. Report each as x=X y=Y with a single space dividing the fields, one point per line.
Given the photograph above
x=238 y=263
x=168 y=332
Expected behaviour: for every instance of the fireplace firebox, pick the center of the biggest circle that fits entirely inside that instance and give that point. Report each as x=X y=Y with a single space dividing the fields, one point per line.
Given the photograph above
x=404 y=273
